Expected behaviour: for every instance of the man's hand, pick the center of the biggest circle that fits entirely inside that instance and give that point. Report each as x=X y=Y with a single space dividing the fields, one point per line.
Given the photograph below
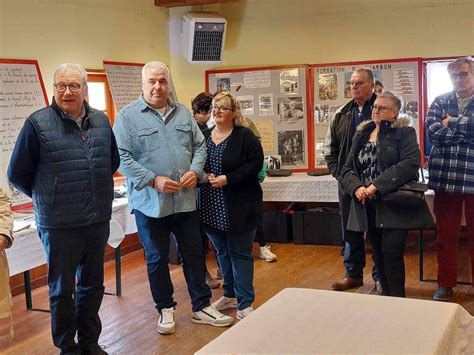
x=3 y=243
x=218 y=181
x=361 y=194
x=445 y=120
x=188 y=180
x=166 y=185
x=371 y=190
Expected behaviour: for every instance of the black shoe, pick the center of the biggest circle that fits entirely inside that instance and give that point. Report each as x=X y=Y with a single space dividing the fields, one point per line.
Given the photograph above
x=93 y=349
x=443 y=294
x=74 y=351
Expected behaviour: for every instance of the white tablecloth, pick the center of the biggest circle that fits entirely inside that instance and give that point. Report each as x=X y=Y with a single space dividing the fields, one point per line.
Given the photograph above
x=313 y=321
x=429 y=195
x=27 y=251
x=300 y=187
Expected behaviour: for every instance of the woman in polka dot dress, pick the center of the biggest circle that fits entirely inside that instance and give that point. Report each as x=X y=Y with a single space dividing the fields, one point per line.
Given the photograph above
x=231 y=201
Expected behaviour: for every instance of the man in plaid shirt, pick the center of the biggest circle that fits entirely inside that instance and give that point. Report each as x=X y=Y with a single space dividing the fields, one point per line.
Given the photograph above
x=450 y=127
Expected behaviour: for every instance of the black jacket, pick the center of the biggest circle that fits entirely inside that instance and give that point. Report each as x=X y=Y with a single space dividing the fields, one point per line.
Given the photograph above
x=341 y=133
x=67 y=170
x=242 y=160
x=398 y=157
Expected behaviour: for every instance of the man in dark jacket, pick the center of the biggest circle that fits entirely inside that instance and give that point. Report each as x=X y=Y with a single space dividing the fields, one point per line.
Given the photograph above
x=339 y=141
x=64 y=158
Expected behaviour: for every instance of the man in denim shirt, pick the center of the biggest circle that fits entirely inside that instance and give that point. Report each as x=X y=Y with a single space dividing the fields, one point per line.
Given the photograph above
x=162 y=155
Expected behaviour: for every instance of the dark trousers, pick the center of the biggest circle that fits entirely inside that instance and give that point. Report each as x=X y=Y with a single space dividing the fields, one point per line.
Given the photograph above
x=448 y=212
x=388 y=247
x=354 y=243
x=154 y=234
x=234 y=251
x=75 y=253
x=259 y=236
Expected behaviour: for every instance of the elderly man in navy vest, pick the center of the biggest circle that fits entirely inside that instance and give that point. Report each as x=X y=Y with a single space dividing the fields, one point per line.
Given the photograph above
x=64 y=158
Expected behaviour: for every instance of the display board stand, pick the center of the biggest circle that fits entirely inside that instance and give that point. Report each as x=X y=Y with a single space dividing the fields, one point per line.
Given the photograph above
x=402 y=77
x=22 y=92
x=277 y=100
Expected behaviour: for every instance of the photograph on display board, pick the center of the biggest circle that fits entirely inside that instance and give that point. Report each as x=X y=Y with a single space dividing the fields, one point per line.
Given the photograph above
x=323 y=113
x=247 y=104
x=223 y=84
x=410 y=109
x=265 y=104
x=273 y=161
x=290 y=147
x=328 y=87
x=290 y=109
x=289 y=81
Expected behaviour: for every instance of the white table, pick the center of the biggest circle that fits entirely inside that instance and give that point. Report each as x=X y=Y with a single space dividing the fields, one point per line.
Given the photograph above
x=27 y=251
x=300 y=187
x=314 y=321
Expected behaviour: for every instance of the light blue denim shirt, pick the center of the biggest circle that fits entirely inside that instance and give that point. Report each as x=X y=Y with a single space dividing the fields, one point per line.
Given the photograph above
x=151 y=147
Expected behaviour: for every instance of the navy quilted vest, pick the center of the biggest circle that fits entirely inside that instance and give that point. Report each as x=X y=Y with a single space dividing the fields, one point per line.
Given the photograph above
x=73 y=185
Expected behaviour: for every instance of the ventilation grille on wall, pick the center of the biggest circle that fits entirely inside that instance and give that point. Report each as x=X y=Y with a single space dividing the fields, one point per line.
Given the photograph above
x=203 y=37
x=208 y=38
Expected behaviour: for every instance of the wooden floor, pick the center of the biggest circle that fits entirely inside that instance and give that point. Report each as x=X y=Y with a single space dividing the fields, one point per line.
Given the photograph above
x=129 y=322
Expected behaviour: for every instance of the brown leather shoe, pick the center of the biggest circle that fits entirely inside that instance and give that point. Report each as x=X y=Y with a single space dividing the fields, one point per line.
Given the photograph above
x=346 y=283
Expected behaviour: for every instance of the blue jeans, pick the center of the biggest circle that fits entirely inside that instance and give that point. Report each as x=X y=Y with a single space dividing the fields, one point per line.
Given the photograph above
x=354 y=244
x=154 y=234
x=75 y=253
x=234 y=252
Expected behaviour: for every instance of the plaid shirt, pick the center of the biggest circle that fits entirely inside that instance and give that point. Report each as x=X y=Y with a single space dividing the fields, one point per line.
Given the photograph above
x=451 y=163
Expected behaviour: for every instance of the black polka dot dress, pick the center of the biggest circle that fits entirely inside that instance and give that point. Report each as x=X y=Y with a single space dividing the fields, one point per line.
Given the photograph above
x=213 y=210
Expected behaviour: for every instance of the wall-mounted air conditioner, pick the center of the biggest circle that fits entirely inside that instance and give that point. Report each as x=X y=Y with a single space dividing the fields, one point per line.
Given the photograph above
x=203 y=37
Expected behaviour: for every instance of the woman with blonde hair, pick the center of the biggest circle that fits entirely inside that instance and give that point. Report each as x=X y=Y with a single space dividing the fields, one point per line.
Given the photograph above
x=231 y=201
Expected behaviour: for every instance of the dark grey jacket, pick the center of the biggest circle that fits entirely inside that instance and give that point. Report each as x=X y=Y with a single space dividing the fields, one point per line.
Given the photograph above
x=398 y=156
x=340 y=137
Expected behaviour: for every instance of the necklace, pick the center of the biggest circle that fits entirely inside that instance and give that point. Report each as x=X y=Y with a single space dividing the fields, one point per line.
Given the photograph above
x=222 y=136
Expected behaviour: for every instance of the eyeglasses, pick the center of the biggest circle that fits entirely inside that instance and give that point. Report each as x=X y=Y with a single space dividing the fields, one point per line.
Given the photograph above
x=73 y=87
x=460 y=75
x=380 y=108
x=357 y=83
x=220 y=108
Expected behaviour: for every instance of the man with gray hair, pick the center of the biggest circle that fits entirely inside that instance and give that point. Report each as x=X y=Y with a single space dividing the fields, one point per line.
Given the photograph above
x=338 y=144
x=163 y=153
x=64 y=159
x=450 y=127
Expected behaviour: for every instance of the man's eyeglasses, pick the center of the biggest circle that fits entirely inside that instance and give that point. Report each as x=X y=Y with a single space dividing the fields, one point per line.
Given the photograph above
x=73 y=87
x=220 y=108
x=460 y=75
x=357 y=83
x=380 y=108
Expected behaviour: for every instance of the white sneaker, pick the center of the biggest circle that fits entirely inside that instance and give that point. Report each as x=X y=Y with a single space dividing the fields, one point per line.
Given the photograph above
x=210 y=315
x=166 y=323
x=266 y=254
x=225 y=303
x=241 y=314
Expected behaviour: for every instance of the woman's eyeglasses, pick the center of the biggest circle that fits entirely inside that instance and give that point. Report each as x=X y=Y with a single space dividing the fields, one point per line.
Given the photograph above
x=380 y=108
x=220 y=108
